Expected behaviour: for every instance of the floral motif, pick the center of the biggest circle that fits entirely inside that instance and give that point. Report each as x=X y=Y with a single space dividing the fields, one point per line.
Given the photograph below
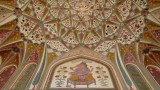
x=102 y=77
x=60 y=77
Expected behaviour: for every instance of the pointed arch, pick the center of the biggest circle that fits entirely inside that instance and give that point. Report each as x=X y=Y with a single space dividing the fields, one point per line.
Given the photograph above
x=85 y=54
x=155 y=72
x=24 y=77
x=6 y=73
x=137 y=77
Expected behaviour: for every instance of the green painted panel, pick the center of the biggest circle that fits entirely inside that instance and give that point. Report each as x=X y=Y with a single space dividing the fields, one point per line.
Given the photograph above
x=24 y=78
x=137 y=78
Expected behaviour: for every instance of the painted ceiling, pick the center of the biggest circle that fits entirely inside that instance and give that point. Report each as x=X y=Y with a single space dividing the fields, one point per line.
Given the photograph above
x=65 y=24
x=31 y=30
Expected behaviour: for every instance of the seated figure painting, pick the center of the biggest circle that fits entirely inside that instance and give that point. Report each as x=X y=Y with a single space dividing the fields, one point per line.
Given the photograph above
x=81 y=75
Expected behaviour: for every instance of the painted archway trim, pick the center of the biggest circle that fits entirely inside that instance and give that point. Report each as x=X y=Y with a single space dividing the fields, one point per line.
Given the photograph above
x=140 y=74
x=83 y=53
x=8 y=70
x=154 y=77
x=24 y=77
x=111 y=74
x=20 y=74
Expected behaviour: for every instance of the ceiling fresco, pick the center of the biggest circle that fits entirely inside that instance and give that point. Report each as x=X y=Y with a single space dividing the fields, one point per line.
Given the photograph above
x=35 y=32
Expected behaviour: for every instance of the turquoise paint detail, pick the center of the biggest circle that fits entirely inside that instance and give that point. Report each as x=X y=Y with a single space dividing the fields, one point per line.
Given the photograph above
x=128 y=81
x=38 y=76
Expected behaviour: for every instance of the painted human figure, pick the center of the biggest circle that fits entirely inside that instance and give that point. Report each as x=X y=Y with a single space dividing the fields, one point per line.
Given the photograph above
x=81 y=72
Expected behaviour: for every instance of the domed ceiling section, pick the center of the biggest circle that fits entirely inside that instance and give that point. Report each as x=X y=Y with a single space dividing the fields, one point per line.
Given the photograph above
x=37 y=31
x=66 y=24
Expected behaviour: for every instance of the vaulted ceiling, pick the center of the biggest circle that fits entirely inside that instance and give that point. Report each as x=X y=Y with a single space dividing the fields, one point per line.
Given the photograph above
x=65 y=24
x=28 y=28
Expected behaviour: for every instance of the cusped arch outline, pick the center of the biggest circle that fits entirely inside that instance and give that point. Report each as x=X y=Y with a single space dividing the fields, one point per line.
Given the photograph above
x=83 y=53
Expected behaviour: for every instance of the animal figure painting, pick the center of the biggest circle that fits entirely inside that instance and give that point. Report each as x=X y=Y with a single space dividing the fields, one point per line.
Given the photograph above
x=82 y=73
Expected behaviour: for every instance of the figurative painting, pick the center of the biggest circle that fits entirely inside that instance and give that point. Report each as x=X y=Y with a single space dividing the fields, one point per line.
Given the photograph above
x=82 y=73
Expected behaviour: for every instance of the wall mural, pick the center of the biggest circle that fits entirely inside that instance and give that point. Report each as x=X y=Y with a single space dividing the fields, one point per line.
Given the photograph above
x=82 y=73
